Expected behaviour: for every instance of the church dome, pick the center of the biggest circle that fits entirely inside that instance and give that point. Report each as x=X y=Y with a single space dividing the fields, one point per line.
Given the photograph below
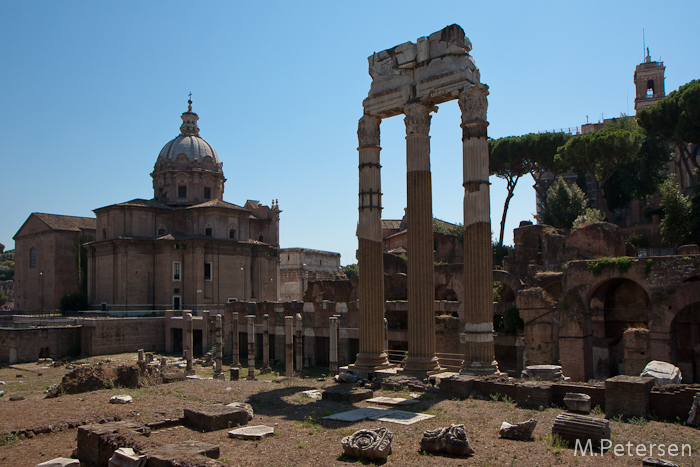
x=188 y=142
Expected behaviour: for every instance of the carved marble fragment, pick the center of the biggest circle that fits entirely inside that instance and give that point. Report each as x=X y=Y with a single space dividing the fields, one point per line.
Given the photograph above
x=451 y=440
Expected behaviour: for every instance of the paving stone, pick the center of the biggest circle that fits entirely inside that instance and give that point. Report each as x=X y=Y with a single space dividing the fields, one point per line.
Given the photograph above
x=357 y=414
x=252 y=432
x=404 y=418
x=392 y=401
x=170 y=454
x=313 y=393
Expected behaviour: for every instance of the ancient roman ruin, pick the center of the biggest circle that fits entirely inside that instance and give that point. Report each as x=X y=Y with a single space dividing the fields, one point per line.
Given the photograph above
x=412 y=79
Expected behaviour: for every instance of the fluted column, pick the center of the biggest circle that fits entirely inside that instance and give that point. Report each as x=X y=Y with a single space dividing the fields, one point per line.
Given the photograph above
x=419 y=216
x=479 y=356
x=369 y=235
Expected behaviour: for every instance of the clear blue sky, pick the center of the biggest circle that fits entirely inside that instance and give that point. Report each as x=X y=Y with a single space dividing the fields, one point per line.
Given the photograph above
x=91 y=91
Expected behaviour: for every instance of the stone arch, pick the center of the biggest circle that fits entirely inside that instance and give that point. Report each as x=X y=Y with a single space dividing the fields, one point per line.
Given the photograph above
x=511 y=284
x=615 y=305
x=685 y=330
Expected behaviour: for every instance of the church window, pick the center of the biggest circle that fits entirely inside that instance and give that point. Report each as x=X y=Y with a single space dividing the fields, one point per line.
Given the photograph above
x=32 y=257
x=176 y=270
x=208 y=232
x=207 y=192
x=104 y=234
x=232 y=234
x=261 y=238
x=207 y=271
x=182 y=191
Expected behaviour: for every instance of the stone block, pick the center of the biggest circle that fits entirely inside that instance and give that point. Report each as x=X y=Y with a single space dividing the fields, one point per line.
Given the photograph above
x=457 y=386
x=194 y=452
x=578 y=402
x=519 y=432
x=97 y=442
x=662 y=372
x=126 y=457
x=572 y=427
x=347 y=394
x=627 y=395
x=534 y=395
x=216 y=417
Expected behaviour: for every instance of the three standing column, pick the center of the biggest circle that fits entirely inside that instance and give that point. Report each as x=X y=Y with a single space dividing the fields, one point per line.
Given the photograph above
x=419 y=216
x=370 y=253
x=479 y=356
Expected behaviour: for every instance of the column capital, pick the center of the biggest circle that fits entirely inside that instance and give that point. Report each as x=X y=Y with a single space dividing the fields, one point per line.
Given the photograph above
x=473 y=103
x=417 y=119
x=368 y=131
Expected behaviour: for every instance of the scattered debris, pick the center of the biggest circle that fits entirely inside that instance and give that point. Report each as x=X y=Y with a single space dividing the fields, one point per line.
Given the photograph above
x=121 y=399
x=449 y=440
x=664 y=373
x=578 y=402
x=252 y=432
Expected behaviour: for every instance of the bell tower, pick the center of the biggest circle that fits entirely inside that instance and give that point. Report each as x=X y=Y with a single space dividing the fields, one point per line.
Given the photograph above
x=649 y=82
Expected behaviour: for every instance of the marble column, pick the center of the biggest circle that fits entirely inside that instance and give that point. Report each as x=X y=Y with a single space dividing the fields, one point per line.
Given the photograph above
x=266 y=344
x=333 y=346
x=289 y=346
x=218 y=373
x=236 y=352
x=251 y=346
x=479 y=356
x=299 y=347
x=419 y=216
x=370 y=253
x=189 y=369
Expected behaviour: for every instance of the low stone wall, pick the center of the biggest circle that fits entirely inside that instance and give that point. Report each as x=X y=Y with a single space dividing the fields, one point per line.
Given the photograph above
x=103 y=336
x=671 y=402
x=29 y=344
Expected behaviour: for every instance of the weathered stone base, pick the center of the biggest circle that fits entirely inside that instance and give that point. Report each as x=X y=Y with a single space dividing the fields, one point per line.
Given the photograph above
x=347 y=394
x=534 y=395
x=457 y=386
x=195 y=452
x=421 y=366
x=480 y=369
x=217 y=417
x=627 y=395
x=97 y=442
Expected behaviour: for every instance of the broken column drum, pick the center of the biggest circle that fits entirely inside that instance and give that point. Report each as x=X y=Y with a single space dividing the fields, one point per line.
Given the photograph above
x=411 y=79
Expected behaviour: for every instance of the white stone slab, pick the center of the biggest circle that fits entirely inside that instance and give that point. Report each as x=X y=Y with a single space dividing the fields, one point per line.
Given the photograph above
x=252 y=432
x=358 y=414
x=313 y=393
x=121 y=399
x=383 y=415
x=392 y=401
x=60 y=462
x=403 y=418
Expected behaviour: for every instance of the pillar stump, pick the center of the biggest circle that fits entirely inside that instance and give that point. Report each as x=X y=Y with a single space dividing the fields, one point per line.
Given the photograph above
x=251 y=346
x=235 y=362
x=289 y=346
x=266 y=345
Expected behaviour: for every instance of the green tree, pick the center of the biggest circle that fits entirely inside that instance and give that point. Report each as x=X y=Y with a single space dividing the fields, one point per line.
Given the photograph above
x=676 y=225
x=506 y=161
x=3 y=298
x=676 y=119
x=7 y=265
x=538 y=152
x=350 y=270
x=564 y=204
x=601 y=154
x=589 y=216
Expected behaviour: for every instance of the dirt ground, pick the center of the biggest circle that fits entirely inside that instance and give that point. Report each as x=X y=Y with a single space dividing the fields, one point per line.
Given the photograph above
x=301 y=437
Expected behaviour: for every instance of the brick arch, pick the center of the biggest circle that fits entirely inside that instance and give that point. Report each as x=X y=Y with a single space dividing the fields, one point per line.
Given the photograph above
x=685 y=295
x=508 y=280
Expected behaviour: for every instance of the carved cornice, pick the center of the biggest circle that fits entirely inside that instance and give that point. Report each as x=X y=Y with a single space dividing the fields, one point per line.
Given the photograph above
x=417 y=119
x=368 y=131
x=473 y=104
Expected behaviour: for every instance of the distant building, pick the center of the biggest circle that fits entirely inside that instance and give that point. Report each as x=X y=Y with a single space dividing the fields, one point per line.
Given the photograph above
x=47 y=260
x=186 y=248
x=298 y=266
x=649 y=82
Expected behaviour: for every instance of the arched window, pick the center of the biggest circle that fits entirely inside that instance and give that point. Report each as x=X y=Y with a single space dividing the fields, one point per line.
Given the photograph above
x=232 y=234
x=260 y=238
x=650 y=88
